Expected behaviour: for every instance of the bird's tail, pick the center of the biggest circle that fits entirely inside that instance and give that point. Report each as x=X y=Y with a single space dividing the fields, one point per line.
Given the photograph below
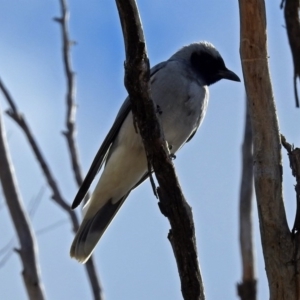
x=91 y=230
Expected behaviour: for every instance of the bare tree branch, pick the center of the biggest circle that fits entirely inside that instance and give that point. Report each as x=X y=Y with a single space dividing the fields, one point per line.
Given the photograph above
x=6 y=258
x=70 y=131
x=294 y=157
x=172 y=202
x=56 y=194
x=51 y=227
x=6 y=251
x=28 y=250
x=292 y=21
x=21 y=121
x=280 y=256
x=35 y=202
x=247 y=288
x=7 y=247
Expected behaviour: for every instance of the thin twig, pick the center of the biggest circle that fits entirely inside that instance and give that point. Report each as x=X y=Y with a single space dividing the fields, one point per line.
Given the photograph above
x=172 y=202
x=70 y=131
x=6 y=258
x=35 y=202
x=51 y=227
x=8 y=249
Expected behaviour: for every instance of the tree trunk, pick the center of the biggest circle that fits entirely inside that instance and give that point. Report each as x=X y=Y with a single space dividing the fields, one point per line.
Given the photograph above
x=280 y=250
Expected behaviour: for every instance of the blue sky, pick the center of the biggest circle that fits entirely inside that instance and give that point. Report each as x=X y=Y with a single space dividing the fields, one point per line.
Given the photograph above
x=134 y=258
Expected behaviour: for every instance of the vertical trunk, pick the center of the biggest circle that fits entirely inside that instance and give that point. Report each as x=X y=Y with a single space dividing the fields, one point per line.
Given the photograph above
x=278 y=246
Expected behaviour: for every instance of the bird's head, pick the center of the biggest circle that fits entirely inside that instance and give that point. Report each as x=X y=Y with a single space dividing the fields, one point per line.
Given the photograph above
x=206 y=61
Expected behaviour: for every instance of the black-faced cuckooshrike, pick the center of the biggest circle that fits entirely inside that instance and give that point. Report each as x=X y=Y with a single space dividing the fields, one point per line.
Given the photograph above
x=179 y=87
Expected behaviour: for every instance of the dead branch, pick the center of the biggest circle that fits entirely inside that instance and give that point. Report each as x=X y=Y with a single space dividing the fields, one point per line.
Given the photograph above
x=70 y=131
x=277 y=243
x=8 y=249
x=294 y=157
x=21 y=121
x=292 y=21
x=172 y=202
x=247 y=288
x=56 y=194
x=28 y=250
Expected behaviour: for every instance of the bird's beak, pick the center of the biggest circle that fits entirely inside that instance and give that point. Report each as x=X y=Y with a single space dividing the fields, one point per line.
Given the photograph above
x=227 y=74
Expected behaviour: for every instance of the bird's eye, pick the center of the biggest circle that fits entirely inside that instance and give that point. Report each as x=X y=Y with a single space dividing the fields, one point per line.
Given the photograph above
x=207 y=66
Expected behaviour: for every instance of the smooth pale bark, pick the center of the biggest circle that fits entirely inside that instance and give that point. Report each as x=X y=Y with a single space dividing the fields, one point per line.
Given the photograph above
x=279 y=249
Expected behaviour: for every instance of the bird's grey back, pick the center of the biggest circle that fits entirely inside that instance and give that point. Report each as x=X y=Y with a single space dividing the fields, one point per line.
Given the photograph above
x=181 y=97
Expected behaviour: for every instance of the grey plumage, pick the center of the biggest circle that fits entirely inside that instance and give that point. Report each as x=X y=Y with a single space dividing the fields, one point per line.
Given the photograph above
x=179 y=86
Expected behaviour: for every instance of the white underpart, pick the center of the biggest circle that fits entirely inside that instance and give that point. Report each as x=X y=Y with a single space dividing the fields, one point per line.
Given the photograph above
x=182 y=101
x=125 y=167
x=182 y=96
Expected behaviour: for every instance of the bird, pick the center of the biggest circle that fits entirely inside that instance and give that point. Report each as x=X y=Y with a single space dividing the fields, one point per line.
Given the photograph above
x=179 y=88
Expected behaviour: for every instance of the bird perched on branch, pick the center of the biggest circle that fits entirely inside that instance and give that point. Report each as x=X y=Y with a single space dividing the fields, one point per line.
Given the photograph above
x=179 y=87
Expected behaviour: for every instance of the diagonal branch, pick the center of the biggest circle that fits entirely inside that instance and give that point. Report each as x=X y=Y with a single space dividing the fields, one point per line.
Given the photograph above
x=21 y=121
x=56 y=194
x=172 y=202
x=28 y=251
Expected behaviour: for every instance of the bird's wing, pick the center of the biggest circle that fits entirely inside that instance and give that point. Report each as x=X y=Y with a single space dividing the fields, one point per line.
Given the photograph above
x=103 y=151
x=195 y=130
x=192 y=134
x=93 y=228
